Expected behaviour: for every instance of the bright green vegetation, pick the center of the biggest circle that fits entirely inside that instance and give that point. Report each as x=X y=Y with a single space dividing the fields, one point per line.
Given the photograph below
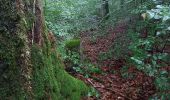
x=71 y=44
x=48 y=78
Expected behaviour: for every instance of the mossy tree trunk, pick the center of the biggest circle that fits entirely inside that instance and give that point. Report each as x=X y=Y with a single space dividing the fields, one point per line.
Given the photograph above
x=29 y=67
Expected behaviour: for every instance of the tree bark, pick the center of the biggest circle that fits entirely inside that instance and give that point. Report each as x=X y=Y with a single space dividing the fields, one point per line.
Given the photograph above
x=105 y=9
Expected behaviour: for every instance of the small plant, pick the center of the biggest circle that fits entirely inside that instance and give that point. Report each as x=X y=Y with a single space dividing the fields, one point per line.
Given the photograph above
x=125 y=74
x=93 y=69
x=105 y=55
x=89 y=68
x=93 y=92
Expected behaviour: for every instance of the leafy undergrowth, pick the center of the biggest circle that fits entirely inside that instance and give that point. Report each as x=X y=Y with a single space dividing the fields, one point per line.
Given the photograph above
x=115 y=82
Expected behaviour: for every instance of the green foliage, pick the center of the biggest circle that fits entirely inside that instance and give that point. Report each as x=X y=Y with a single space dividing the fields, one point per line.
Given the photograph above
x=67 y=17
x=9 y=16
x=148 y=54
x=125 y=74
x=71 y=44
x=10 y=49
x=93 y=92
x=72 y=60
x=106 y=55
x=50 y=79
x=91 y=68
x=72 y=57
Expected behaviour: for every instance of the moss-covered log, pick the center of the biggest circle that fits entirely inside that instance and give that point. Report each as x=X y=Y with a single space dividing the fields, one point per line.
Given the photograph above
x=29 y=68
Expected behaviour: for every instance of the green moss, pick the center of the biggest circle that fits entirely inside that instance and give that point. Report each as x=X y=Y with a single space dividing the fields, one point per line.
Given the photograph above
x=71 y=44
x=50 y=79
x=10 y=46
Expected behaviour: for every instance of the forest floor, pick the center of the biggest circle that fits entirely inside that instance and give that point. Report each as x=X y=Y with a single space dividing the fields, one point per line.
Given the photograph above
x=113 y=86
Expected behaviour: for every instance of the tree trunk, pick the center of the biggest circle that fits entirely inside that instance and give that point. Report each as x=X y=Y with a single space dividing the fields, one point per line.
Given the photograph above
x=29 y=67
x=105 y=9
x=122 y=3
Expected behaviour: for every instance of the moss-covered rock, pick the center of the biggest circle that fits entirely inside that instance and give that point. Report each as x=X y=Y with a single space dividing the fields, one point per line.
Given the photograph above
x=72 y=44
x=52 y=81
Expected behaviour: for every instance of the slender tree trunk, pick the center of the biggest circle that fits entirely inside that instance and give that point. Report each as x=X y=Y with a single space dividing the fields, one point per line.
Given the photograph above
x=122 y=3
x=105 y=9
